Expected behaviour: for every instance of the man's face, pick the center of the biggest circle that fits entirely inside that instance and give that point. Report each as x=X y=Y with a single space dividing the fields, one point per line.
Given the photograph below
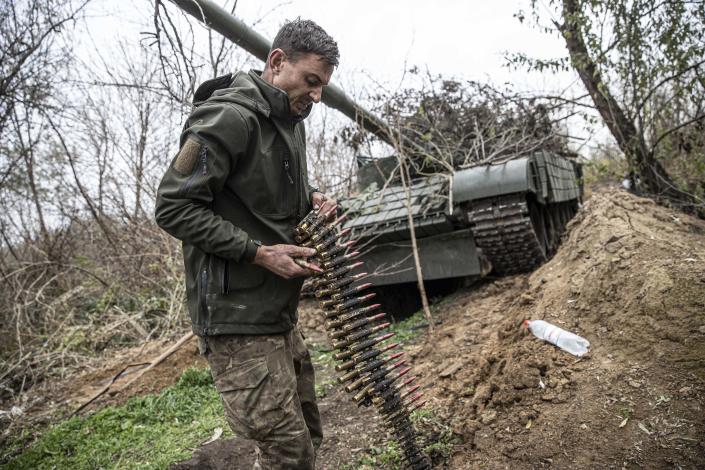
x=302 y=79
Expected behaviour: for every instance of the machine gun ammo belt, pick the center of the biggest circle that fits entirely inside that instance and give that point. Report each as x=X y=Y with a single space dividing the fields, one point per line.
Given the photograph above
x=370 y=375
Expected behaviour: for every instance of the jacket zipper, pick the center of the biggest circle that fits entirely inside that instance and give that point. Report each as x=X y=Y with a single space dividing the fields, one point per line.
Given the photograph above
x=300 y=202
x=287 y=168
x=202 y=297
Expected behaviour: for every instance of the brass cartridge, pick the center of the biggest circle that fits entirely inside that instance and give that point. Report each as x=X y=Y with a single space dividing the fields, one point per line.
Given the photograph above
x=323 y=282
x=364 y=357
x=374 y=377
x=355 y=337
x=350 y=303
x=334 y=251
x=350 y=291
x=336 y=273
x=348 y=327
x=369 y=367
x=347 y=316
x=338 y=260
x=361 y=346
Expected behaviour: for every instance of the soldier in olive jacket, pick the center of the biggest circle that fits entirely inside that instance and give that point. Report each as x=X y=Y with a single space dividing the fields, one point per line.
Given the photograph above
x=233 y=195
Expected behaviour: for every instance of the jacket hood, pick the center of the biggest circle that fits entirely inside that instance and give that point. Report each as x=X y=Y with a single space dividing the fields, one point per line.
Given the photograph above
x=251 y=91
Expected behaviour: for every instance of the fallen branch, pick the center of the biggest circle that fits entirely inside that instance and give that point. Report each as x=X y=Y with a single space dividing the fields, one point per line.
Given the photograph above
x=158 y=360
x=107 y=386
x=139 y=374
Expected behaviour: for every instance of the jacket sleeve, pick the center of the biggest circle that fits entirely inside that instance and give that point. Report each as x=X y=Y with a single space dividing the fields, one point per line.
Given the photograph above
x=215 y=137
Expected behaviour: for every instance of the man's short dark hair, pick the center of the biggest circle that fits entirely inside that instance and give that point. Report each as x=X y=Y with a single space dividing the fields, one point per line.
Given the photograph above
x=300 y=37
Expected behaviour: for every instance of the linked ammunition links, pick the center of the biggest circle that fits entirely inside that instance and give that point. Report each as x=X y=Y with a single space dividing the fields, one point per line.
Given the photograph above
x=372 y=376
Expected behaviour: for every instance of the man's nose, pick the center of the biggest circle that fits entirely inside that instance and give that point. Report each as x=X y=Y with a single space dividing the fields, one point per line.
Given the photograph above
x=316 y=94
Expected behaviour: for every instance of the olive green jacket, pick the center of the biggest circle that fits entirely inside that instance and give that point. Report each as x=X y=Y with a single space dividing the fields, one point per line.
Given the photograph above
x=239 y=177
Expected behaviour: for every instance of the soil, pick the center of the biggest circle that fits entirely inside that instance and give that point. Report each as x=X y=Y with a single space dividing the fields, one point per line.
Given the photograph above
x=629 y=276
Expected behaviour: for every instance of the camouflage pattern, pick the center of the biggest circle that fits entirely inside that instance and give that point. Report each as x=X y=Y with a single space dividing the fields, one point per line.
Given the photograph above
x=266 y=383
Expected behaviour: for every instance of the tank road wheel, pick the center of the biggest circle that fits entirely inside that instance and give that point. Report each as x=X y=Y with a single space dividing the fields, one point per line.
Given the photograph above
x=567 y=213
x=536 y=214
x=552 y=236
x=512 y=231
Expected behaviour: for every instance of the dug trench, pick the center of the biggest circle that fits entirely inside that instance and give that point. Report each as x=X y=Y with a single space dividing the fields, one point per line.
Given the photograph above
x=629 y=276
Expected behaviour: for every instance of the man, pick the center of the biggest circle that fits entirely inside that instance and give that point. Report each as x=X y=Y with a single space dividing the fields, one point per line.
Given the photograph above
x=233 y=195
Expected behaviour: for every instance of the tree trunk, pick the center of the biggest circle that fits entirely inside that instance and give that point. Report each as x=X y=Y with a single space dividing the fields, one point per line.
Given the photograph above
x=404 y=172
x=654 y=177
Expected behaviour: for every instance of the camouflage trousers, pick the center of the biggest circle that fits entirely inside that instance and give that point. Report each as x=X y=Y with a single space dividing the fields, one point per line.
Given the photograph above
x=266 y=384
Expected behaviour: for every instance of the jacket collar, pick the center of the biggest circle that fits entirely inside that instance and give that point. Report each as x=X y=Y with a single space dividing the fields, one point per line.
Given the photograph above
x=278 y=99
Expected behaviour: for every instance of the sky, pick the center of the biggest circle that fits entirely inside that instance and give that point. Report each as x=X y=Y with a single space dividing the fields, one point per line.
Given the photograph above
x=380 y=40
x=461 y=39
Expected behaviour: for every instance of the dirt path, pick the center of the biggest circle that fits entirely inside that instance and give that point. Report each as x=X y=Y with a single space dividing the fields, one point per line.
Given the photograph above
x=349 y=433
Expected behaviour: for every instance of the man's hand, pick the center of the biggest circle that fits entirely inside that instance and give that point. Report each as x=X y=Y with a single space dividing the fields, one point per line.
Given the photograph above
x=323 y=202
x=287 y=261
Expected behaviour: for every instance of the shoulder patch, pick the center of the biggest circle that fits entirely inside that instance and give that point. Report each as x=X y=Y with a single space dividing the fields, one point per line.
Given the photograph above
x=187 y=157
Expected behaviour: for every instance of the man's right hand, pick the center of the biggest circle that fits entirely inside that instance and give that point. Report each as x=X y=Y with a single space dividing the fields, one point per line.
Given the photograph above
x=280 y=260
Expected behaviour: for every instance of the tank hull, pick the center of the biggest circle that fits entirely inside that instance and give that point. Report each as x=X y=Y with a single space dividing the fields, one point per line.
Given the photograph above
x=509 y=216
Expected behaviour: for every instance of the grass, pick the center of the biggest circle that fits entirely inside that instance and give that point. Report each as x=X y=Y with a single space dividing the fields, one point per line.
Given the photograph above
x=148 y=432
x=155 y=431
x=323 y=387
x=436 y=439
x=408 y=329
x=389 y=457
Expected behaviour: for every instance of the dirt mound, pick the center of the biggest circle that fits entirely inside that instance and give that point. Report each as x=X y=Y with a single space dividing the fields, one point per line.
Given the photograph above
x=630 y=277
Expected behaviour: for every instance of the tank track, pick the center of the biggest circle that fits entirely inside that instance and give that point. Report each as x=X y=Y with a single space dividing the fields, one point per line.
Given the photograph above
x=503 y=229
x=370 y=374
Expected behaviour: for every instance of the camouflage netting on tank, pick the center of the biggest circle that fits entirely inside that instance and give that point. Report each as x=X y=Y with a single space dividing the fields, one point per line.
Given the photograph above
x=450 y=125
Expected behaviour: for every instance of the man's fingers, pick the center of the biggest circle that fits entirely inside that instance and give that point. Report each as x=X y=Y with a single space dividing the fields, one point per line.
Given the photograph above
x=310 y=266
x=299 y=251
x=329 y=205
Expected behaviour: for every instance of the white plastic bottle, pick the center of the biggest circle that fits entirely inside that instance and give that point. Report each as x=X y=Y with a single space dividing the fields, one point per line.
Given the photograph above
x=567 y=341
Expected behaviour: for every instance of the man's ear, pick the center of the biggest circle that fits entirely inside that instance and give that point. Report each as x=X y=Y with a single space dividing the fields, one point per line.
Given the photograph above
x=276 y=59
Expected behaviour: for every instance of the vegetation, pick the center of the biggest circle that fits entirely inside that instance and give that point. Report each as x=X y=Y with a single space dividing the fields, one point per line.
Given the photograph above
x=437 y=444
x=641 y=64
x=445 y=124
x=149 y=432
x=407 y=329
x=155 y=431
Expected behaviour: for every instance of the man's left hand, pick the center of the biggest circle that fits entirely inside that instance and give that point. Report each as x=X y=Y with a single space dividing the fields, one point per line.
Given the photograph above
x=325 y=203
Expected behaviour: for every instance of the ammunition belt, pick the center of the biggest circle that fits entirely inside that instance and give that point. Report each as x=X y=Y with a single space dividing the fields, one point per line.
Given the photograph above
x=373 y=373
x=502 y=228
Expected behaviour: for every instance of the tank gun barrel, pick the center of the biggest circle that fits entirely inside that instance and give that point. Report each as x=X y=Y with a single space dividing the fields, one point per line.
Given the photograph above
x=238 y=32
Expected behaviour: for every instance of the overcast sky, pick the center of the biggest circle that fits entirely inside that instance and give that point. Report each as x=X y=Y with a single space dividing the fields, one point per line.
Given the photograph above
x=463 y=39
x=379 y=39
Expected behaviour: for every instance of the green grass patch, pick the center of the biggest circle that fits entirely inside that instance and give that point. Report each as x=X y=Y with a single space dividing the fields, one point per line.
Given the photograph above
x=324 y=386
x=389 y=457
x=322 y=357
x=148 y=432
x=409 y=328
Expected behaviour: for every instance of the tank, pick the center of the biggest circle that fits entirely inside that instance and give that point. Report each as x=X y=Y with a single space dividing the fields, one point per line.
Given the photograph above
x=506 y=217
